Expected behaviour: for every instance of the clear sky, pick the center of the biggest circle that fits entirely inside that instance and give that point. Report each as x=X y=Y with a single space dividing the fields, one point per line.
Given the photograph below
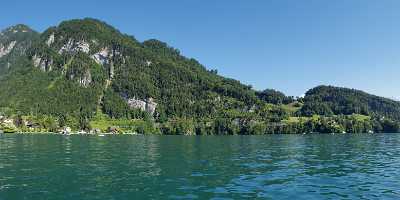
x=289 y=45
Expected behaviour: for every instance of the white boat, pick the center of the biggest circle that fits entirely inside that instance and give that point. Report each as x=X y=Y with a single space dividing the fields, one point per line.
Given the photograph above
x=82 y=132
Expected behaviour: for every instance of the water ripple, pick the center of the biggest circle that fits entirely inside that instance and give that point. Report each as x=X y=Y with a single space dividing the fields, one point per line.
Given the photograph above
x=220 y=168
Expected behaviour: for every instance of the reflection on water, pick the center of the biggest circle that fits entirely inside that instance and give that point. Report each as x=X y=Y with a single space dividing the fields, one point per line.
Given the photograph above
x=167 y=167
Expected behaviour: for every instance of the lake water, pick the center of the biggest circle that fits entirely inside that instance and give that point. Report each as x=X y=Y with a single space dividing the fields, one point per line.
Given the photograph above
x=292 y=167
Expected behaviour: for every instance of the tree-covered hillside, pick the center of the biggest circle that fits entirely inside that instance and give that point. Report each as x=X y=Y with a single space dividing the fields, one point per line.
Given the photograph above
x=88 y=65
x=87 y=75
x=14 y=42
x=329 y=100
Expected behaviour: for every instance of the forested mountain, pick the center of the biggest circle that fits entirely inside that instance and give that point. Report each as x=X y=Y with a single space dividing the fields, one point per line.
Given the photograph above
x=329 y=100
x=14 y=42
x=87 y=75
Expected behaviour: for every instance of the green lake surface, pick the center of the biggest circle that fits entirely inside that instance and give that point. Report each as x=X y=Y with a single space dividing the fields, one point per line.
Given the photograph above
x=359 y=166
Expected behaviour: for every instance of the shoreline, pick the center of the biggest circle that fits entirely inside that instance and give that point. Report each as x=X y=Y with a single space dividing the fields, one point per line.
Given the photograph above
x=54 y=133
x=132 y=134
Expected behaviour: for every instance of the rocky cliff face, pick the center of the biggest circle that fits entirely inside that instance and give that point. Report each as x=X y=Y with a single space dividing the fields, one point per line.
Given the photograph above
x=45 y=64
x=58 y=49
x=148 y=105
x=73 y=46
x=6 y=49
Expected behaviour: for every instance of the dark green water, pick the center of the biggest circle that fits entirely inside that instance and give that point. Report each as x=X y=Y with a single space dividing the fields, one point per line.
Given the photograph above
x=292 y=167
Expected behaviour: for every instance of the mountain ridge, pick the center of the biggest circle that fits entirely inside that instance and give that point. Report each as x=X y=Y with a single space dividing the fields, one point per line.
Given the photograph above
x=88 y=75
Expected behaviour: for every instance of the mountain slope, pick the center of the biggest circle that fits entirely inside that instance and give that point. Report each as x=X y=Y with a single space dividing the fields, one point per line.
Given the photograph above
x=91 y=61
x=87 y=75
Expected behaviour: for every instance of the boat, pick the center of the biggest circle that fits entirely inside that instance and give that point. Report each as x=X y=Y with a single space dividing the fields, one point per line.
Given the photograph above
x=101 y=135
x=82 y=132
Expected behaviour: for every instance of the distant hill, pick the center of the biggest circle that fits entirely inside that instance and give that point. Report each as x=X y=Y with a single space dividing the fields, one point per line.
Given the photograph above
x=14 y=42
x=328 y=100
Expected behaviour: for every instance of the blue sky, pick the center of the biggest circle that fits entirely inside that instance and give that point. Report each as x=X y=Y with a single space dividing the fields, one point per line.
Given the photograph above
x=289 y=45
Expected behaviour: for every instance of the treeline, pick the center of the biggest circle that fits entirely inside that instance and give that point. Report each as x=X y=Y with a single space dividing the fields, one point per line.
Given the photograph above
x=217 y=126
x=316 y=124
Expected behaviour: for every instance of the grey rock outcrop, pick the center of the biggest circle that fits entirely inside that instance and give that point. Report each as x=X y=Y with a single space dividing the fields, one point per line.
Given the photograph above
x=102 y=56
x=75 y=46
x=42 y=63
x=6 y=49
x=149 y=105
x=50 y=40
